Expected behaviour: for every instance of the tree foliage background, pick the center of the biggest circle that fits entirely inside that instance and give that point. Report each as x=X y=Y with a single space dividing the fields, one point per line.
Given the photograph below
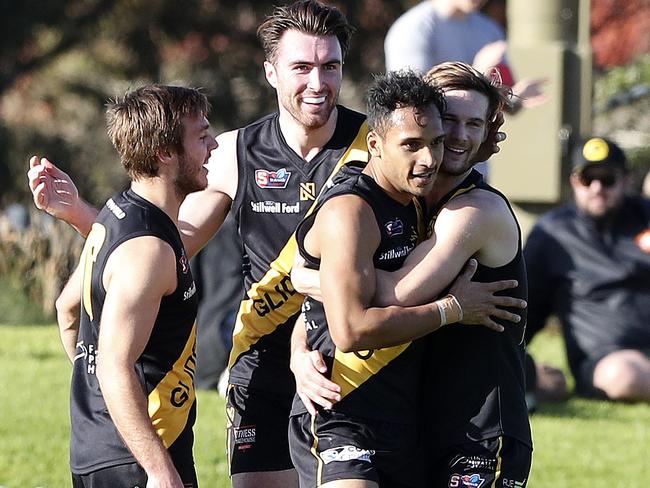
x=61 y=60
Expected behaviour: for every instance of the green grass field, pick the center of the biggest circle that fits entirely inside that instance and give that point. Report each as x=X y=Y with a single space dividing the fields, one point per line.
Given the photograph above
x=577 y=444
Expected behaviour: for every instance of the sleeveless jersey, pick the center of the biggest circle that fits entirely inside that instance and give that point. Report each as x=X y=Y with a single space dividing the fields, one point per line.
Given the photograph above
x=476 y=386
x=384 y=383
x=276 y=190
x=167 y=364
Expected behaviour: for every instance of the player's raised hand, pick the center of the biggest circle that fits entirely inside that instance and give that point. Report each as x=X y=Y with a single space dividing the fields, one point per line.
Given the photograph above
x=479 y=303
x=494 y=137
x=52 y=189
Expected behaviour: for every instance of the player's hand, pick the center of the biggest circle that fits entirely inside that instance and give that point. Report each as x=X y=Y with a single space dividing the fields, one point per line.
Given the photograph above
x=530 y=92
x=165 y=480
x=312 y=386
x=52 y=189
x=479 y=303
x=494 y=137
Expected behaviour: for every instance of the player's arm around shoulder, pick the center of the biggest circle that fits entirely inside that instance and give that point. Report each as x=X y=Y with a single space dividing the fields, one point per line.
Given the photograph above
x=203 y=212
x=138 y=274
x=458 y=234
x=348 y=236
x=499 y=232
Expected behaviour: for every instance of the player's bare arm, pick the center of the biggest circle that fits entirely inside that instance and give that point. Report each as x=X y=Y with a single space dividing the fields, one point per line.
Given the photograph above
x=202 y=213
x=68 y=313
x=137 y=276
x=474 y=225
x=348 y=281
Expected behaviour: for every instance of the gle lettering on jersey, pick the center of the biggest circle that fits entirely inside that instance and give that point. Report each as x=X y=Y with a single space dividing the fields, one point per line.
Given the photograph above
x=89 y=354
x=272 y=179
x=271 y=301
x=182 y=392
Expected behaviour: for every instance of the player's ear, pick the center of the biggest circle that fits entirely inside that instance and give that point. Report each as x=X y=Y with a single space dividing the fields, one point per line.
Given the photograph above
x=165 y=155
x=374 y=141
x=271 y=74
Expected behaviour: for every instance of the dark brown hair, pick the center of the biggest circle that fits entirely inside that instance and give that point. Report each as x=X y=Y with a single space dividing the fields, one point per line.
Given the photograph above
x=149 y=119
x=307 y=16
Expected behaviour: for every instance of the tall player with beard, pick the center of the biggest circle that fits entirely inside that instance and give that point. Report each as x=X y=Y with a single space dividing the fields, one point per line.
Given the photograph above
x=132 y=348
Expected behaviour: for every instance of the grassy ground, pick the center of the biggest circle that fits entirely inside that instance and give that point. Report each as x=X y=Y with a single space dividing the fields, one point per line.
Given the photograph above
x=577 y=444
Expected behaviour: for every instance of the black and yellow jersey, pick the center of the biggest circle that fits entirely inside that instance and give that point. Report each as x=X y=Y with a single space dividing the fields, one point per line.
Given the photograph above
x=276 y=190
x=382 y=383
x=167 y=364
x=476 y=386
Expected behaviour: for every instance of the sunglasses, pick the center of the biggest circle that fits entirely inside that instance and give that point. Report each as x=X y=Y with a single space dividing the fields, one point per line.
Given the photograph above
x=606 y=179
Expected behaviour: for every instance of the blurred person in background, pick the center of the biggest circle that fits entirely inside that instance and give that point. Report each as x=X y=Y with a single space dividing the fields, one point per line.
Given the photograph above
x=435 y=31
x=589 y=264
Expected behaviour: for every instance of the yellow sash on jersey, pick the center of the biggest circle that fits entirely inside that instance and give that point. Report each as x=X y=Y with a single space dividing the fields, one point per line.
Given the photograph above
x=272 y=300
x=170 y=402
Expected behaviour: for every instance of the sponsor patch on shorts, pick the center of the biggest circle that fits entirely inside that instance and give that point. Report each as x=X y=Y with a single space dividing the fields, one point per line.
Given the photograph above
x=244 y=437
x=346 y=453
x=466 y=481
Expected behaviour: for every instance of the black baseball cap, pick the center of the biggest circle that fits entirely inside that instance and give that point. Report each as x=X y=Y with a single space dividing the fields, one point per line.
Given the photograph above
x=597 y=151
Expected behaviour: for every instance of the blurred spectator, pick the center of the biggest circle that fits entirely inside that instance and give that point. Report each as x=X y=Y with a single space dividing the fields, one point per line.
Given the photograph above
x=589 y=264
x=435 y=31
x=16 y=216
x=217 y=270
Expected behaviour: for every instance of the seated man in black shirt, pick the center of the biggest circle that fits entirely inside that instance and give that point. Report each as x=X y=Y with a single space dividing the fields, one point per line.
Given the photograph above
x=589 y=264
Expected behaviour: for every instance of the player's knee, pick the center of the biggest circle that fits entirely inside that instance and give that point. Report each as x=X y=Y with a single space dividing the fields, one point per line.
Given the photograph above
x=617 y=378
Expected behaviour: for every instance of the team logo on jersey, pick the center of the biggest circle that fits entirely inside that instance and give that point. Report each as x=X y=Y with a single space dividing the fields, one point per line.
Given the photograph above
x=394 y=228
x=466 y=481
x=183 y=262
x=272 y=179
x=307 y=191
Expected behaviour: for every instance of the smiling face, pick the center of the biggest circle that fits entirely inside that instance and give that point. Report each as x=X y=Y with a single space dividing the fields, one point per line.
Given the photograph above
x=306 y=74
x=198 y=142
x=465 y=125
x=405 y=160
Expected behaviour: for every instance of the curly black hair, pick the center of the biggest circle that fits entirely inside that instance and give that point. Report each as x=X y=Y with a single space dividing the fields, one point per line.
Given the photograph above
x=399 y=89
